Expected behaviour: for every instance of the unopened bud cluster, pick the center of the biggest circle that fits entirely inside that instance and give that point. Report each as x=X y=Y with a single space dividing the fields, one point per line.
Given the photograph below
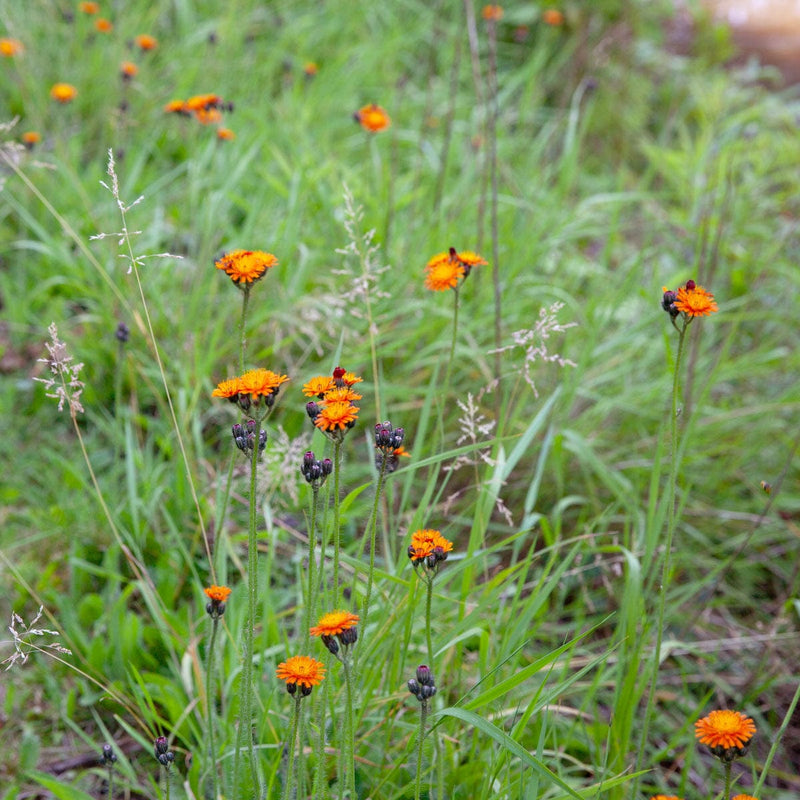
x=315 y=471
x=109 y=756
x=245 y=437
x=422 y=687
x=388 y=439
x=163 y=754
x=668 y=303
x=305 y=691
x=345 y=638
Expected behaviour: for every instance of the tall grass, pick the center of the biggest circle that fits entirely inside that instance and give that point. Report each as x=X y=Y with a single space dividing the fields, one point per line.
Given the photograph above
x=618 y=169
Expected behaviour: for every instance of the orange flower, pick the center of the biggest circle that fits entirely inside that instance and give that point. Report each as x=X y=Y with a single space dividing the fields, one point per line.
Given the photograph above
x=553 y=17
x=260 y=382
x=493 y=13
x=63 y=92
x=31 y=138
x=219 y=594
x=425 y=541
x=89 y=8
x=144 y=41
x=342 y=378
x=443 y=275
x=302 y=670
x=664 y=797
x=229 y=388
x=202 y=102
x=727 y=733
x=246 y=266
x=343 y=395
x=10 y=47
x=176 y=107
x=225 y=134
x=694 y=300
x=208 y=116
x=128 y=70
x=103 y=25
x=372 y=118
x=743 y=797
x=333 y=416
x=310 y=69
x=334 y=623
x=319 y=386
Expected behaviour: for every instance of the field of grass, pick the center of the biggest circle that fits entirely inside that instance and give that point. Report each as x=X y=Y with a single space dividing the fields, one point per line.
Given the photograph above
x=624 y=513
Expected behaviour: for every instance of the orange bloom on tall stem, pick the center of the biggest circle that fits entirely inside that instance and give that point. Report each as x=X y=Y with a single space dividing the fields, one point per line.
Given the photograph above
x=128 y=70
x=336 y=416
x=31 y=138
x=103 y=25
x=343 y=395
x=492 y=13
x=89 y=7
x=425 y=541
x=725 y=729
x=302 y=670
x=229 y=388
x=694 y=300
x=319 y=386
x=218 y=594
x=334 y=623
x=10 y=47
x=744 y=797
x=372 y=118
x=260 y=382
x=246 y=266
x=443 y=275
x=553 y=17
x=225 y=134
x=63 y=92
x=144 y=41
x=664 y=797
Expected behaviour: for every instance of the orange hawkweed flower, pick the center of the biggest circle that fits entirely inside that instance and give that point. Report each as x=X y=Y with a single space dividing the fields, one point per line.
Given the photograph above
x=89 y=7
x=144 y=41
x=63 y=92
x=336 y=416
x=443 y=275
x=372 y=118
x=694 y=300
x=208 y=116
x=552 y=17
x=103 y=25
x=128 y=70
x=343 y=378
x=261 y=382
x=310 y=69
x=341 y=395
x=202 y=102
x=10 y=47
x=218 y=593
x=229 y=388
x=664 y=797
x=246 y=266
x=319 y=386
x=304 y=671
x=743 y=797
x=492 y=13
x=727 y=733
x=176 y=107
x=225 y=134
x=334 y=623
x=31 y=138
x=426 y=542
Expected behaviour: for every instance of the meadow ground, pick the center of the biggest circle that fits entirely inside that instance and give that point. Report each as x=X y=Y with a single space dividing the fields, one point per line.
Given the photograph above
x=615 y=469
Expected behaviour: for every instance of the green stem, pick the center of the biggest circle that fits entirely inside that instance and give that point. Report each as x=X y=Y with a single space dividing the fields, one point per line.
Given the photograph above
x=291 y=772
x=337 y=464
x=374 y=525
x=242 y=326
x=110 y=781
x=428 y=602
x=320 y=781
x=727 y=780
x=349 y=748
x=452 y=345
x=166 y=782
x=311 y=597
x=423 y=713
x=665 y=564
x=210 y=704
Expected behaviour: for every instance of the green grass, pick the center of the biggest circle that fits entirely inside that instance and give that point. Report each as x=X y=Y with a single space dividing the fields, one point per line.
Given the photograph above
x=621 y=168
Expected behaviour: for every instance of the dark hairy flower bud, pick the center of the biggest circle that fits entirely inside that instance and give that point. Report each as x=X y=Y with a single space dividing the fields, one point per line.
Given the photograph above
x=122 y=333
x=109 y=756
x=424 y=675
x=331 y=643
x=349 y=636
x=313 y=410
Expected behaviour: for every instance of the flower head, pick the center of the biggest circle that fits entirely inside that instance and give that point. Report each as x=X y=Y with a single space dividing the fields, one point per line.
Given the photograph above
x=246 y=266
x=343 y=395
x=553 y=17
x=302 y=670
x=89 y=7
x=128 y=70
x=694 y=301
x=31 y=138
x=372 y=118
x=743 y=797
x=217 y=595
x=144 y=41
x=319 y=386
x=225 y=134
x=426 y=542
x=334 y=623
x=229 y=388
x=10 y=47
x=261 y=383
x=493 y=13
x=310 y=69
x=342 y=377
x=445 y=270
x=336 y=416
x=664 y=797
x=727 y=733
x=102 y=25
x=63 y=92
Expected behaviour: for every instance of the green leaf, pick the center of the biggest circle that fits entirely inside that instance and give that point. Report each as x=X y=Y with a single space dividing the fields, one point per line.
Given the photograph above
x=60 y=790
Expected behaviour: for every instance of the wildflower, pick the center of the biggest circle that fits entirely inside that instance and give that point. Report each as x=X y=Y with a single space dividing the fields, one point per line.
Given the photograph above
x=225 y=134
x=343 y=378
x=429 y=546
x=310 y=69
x=694 y=301
x=340 y=415
x=217 y=596
x=334 y=623
x=229 y=388
x=145 y=42
x=122 y=333
x=246 y=266
x=303 y=670
x=109 y=756
x=89 y=7
x=10 y=47
x=743 y=797
x=103 y=25
x=163 y=754
x=392 y=459
x=664 y=797
x=176 y=107
x=244 y=436
x=727 y=733
x=208 y=116
x=261 y=383
x=63 y=92
x=492 y=13
x=372 y=118
x=319 y=386
x=388 y=439
x=343 y=395
x=552 y=17
x=128 y=70
x=315 y=471
x=445 y=270
x=30 y=139
x=423 y=686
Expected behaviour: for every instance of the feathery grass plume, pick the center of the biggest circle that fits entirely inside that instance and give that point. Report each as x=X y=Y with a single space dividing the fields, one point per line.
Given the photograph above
x=23 y=635
x=64 y=384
